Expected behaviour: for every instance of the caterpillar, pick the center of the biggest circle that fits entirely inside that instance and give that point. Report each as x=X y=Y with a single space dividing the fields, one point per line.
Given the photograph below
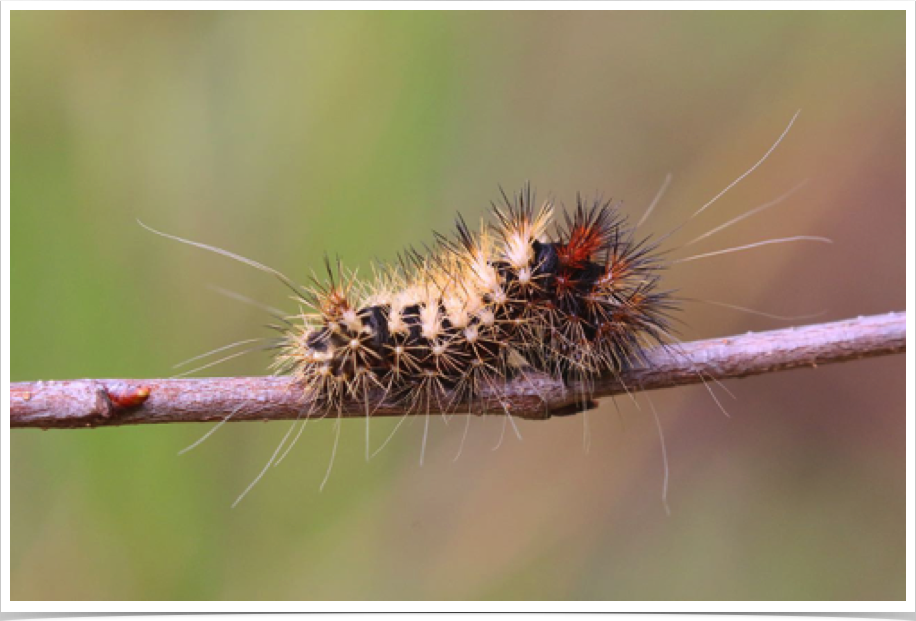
x=575 y=293
x=482 y=305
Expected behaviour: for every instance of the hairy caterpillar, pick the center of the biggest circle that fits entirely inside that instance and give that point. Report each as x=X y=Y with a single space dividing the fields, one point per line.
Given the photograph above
x=574 y=293
x=481 y=306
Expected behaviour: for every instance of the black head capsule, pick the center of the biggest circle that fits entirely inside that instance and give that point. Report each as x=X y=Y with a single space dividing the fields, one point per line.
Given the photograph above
x=318 y=340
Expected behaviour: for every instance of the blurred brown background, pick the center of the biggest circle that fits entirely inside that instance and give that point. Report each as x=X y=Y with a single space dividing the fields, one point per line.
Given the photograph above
x=283 y=136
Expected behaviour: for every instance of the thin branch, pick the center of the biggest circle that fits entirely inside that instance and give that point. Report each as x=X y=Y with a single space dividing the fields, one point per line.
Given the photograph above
x=71 y=404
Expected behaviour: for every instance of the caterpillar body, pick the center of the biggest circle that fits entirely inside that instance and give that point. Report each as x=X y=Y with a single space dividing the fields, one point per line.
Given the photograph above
x=577 y=298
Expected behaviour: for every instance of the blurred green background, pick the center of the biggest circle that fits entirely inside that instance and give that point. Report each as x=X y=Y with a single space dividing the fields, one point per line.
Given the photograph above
x=283 y=135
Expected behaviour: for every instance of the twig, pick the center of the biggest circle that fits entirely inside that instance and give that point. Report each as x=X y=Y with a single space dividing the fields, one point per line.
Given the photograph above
x=71 y=404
